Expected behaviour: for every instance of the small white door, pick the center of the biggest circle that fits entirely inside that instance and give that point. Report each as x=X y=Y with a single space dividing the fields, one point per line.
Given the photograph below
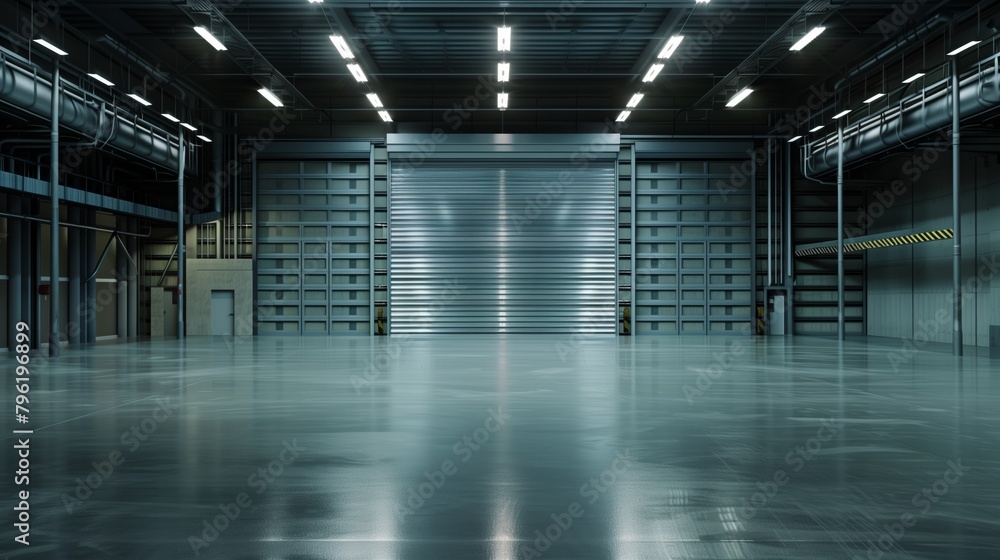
x=223 y=308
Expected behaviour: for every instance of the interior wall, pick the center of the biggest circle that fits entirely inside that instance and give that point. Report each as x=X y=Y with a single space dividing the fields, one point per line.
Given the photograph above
x=909 y=288
x=206 y=275
x=106 y=292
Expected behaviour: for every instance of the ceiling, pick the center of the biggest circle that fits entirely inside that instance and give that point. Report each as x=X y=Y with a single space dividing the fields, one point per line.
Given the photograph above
x=575 y=63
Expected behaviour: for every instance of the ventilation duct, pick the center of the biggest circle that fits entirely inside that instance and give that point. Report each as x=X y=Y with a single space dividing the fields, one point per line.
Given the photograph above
x=24 y=88
x=913 y=118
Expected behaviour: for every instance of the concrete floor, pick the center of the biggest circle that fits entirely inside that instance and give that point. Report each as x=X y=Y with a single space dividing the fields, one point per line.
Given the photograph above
x=508 y=448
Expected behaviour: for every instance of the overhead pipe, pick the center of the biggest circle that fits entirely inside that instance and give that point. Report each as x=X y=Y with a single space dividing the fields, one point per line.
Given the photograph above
x=24 y=88
x=913 y=118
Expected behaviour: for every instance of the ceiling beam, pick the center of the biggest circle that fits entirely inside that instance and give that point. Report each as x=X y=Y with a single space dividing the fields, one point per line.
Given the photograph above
x=242 y=51
x=771 y=52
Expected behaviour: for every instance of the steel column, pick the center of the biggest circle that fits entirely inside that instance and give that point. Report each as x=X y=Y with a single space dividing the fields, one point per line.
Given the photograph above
x=841 y=326
x=91 y=264
x=121 y=288
x=133 y=284
x=789 y=247
x=74 y=326
x=180 y=236
x=956 y=206
x=15 y=268
x=54 y=237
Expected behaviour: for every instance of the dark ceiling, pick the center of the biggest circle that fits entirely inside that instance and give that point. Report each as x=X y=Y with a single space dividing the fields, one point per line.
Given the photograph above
x=575 y=63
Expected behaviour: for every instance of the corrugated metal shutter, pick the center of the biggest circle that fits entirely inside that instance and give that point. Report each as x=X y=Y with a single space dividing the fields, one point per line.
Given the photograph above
x=503 y=247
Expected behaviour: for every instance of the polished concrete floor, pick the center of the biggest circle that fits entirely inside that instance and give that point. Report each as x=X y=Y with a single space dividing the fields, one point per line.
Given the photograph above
x=503 y=448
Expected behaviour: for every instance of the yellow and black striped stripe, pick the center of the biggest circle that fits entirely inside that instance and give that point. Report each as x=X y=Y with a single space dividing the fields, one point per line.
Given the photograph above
x=937 y=235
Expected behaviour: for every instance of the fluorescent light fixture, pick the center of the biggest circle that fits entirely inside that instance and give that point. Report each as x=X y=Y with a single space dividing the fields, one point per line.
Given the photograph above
x=207 y=35
x=817 y=128
x=141 y=101
x=51 y=47
x=807 y=38
x=385 y=116
x=795 y=139
x=102 y=79
x=634 y=102
x=914 y=78
x=623 y=116
x=376 y=102
x=503 y=72
x=358 y=74
x=671 y=46
x=315 y=1
x=875 y=98
x=653 y=73
x=701 y=1
x=274 y=99
x=342 y=46
x=739 y=97
x=171 y=118
x=841 y=114
x=503 y=38
x=189 y=127
x=503 y=100
x=964 y=48
x=204 y=138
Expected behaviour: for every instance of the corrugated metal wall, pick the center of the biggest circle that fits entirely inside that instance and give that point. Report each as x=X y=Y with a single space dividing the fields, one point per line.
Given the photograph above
x=503 y=247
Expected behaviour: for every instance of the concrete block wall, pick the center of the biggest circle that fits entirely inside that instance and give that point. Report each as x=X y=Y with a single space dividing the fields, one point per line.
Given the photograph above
x=205 y=275
x=909 y=288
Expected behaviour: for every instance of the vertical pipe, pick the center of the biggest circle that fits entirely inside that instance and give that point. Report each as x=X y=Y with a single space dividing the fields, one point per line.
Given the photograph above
x=133 y=282
x=121 y=288
x=753 y=245
x=74 y=324
x=841 y=327
x=372 y=320
x=770 y=215
x=633 y=214
x=90 y=294
x=956 y=206
x=33 y=260
x=15 y=268
x=180 y=234
x=789 y=251
x=253 y=229
x=54 y=236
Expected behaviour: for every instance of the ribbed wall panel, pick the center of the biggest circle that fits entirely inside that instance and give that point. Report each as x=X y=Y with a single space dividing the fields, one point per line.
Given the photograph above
x=503 y=247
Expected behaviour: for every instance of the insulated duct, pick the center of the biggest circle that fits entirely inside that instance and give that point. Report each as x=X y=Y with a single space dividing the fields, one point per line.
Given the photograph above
x=913 y=118
x=22 y=87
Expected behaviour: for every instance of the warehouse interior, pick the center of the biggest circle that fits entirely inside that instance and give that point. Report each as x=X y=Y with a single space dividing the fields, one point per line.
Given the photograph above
x=355 y=279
